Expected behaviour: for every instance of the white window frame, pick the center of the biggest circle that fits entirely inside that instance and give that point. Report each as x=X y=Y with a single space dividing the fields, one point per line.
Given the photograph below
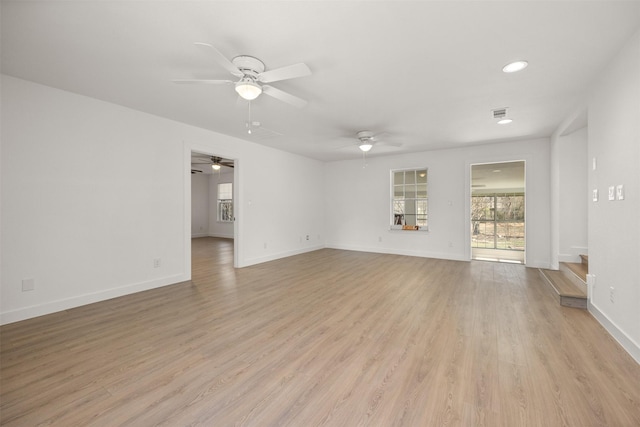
x=225 y=205
x=416 y=193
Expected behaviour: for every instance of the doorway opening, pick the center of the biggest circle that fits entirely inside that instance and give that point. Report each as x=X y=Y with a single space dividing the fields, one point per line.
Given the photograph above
x=213 y=195
x=498 y=212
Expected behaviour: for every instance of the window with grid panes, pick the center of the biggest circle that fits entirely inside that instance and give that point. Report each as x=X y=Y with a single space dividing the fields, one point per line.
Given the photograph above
x=409 y=199
x=225 y=202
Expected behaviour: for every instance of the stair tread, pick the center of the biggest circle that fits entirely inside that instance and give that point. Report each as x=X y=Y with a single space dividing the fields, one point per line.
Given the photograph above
x=578 y=269
x=563 y=286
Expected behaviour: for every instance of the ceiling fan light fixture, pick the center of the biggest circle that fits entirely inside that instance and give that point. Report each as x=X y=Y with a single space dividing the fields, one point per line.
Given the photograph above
x=365 y=146
x=248 y=89
x=215 y=166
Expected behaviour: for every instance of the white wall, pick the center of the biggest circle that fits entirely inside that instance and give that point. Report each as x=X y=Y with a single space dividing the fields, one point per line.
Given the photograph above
x=200 y=205
x=614 y=226
x=93 y=192
x=217 y=228
x=357 y=201
x=573 y=196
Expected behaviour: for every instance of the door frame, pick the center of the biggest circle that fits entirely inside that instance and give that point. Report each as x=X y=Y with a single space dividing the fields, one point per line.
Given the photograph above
x=468 y=194
x=237 y=213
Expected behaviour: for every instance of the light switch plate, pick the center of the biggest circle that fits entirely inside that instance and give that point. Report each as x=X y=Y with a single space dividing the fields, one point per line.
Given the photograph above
x=28 y=284
x=595 y=195
x=620 y=192
x=612 y=193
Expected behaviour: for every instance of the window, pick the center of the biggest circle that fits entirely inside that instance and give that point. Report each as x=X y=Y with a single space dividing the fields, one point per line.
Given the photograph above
x=225 y=202
x=409 y=199
x=497 y=221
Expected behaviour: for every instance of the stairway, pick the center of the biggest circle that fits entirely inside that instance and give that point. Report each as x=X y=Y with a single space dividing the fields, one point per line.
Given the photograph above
x=570 y=282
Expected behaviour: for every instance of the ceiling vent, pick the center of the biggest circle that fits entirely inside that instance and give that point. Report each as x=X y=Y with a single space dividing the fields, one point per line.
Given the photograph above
x=499 y=113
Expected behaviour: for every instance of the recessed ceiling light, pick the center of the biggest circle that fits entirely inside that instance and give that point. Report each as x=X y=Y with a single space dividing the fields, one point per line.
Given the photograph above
x=505 y=121
x=515 y=66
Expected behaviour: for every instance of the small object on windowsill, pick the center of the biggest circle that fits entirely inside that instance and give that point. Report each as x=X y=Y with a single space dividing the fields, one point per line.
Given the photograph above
x=411 y=227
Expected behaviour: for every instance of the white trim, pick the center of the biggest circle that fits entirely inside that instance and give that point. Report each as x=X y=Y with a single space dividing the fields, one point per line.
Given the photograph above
x=279 y=255
x=219 y=235
x=420 y=254
x=186 y=219
x=469 y=163
x=237 y=204
x=90 y=298
x=622 y=338
x=534 y=263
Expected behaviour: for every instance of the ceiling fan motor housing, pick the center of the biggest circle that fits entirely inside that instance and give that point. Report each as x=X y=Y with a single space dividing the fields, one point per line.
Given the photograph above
x=250 y=66
x=365 y=136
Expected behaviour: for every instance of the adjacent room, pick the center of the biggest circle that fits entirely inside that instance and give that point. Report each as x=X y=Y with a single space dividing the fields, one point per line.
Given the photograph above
x=307 y=213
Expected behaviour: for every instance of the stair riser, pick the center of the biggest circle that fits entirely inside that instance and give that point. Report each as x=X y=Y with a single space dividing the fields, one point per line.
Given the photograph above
x=573 y=277
x=573 y=302
x=564 y=300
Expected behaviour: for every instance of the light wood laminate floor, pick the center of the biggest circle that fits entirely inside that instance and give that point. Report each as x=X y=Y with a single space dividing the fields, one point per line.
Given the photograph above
x=332 y=338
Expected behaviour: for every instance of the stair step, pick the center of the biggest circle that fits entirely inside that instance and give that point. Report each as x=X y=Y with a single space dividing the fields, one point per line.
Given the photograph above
x=575 y=269
x=585 y=259
x=569 y=295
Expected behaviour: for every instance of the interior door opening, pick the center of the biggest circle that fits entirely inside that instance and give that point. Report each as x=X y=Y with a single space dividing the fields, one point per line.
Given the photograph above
x=498 y=212
x=213 y=194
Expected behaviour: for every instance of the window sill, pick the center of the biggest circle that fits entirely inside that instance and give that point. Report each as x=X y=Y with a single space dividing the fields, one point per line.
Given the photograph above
x=397 y=228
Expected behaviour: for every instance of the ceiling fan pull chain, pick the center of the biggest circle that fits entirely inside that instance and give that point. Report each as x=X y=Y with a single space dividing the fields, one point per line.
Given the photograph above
x=249 y=118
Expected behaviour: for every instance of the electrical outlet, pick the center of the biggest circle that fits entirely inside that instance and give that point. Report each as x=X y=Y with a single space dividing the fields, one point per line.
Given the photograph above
x=156 y=263
x=620 y=192
x=28 y=284
x=307 y=237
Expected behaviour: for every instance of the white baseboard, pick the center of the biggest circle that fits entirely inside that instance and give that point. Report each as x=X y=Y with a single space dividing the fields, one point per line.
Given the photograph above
x=421 y=254
x=220 y=235
x=196 y=235
x=625 y=341
x=568 y=258
x=275 y=256
x=79 y=300
x=536 y=263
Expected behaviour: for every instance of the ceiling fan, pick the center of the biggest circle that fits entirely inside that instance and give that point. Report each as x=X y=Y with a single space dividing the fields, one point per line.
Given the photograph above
x=367 y=139
x=252 y=75
x=215 y=162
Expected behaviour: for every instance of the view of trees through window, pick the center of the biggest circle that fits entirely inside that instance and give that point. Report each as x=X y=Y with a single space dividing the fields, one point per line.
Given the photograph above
x=497 y=221
x=225 y=202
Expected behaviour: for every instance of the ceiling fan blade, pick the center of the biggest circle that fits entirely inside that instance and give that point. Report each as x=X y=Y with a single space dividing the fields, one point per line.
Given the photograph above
x=390 y=144
x=201 y=81
x=285 y=73
x=284 y=96
x=221 y=59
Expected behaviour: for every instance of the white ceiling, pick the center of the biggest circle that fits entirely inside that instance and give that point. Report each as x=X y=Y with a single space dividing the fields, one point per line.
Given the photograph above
x=489 y=177
x=427 y=73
